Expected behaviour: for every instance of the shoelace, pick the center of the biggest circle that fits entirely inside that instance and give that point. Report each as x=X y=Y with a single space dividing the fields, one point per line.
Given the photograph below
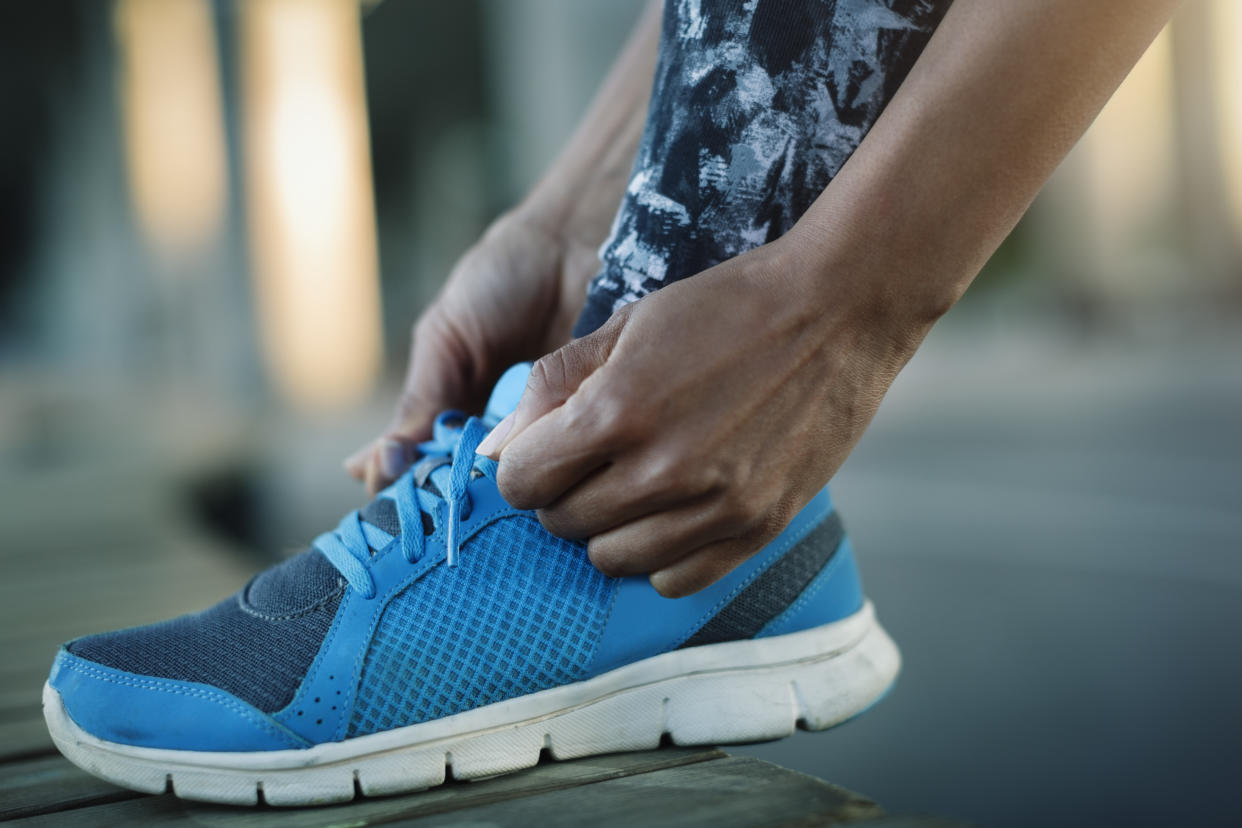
x=453 y=444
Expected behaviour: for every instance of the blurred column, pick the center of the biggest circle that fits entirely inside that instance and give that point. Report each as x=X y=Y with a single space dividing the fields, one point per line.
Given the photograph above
x=1131 y=184
x=1227 y=54
x=1147 y=210
x=1206 y=38
x=176 y=164
x=174 y=130
x=309 y=198
x=548 y=58
x=1101 y=227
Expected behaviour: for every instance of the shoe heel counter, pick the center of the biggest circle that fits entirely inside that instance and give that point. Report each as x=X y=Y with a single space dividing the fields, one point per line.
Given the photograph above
x=834 y=593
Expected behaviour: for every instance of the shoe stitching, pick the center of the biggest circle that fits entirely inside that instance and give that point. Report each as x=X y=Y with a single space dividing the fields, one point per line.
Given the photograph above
x=243 y=603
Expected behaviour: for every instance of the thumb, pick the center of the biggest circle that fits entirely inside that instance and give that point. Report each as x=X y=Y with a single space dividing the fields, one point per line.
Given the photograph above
x=390 y=453
x=430 y=387
x=410 y=426
x=553 y=379
x=386 y=458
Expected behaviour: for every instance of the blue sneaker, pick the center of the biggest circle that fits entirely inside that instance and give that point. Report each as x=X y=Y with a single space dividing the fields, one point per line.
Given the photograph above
x=440 y=630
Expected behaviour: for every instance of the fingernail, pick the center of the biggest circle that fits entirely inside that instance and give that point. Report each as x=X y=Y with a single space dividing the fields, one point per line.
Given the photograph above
x=392 y=457
x=492 y=441
x=355 y=460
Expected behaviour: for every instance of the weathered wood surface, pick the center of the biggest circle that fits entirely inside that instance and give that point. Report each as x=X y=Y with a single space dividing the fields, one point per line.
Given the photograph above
x=51 y=785
x=670 y=786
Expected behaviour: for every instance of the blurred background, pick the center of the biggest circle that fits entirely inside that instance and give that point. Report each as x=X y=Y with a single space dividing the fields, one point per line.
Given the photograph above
x=219 y=220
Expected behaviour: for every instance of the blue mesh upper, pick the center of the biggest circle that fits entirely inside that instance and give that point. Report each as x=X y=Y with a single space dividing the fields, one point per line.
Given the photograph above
x=521 y=611
x=259 y=652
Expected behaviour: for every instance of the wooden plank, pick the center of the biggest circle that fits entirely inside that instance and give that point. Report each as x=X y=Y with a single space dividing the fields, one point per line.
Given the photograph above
x=900 y=821
x=724 y=793
x=52 y=785
x=534 y=783
x=24 y=737
x=18 y=701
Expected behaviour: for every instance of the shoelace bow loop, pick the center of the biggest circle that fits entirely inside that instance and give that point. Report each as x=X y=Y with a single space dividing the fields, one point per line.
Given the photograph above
x=454 y=440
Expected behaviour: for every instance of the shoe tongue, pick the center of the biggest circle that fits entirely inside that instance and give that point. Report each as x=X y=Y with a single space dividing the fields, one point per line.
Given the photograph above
x=382 y=514
x=506 y=393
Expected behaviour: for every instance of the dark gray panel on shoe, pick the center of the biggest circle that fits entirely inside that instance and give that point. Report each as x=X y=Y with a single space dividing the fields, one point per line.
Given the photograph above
x=773 y=591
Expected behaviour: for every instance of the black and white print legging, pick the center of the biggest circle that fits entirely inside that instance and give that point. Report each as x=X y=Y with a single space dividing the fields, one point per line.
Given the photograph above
x=755 y=106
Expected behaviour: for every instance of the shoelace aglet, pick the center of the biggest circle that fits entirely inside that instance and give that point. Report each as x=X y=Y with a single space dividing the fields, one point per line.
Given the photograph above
x=450 y=557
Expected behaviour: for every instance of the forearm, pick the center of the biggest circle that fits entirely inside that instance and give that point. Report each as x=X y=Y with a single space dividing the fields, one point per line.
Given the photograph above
x=1001 y=93
x=578 y=196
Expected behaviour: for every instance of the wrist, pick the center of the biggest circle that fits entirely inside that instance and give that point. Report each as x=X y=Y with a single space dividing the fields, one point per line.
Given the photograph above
x=845 y=309
x=861 y=279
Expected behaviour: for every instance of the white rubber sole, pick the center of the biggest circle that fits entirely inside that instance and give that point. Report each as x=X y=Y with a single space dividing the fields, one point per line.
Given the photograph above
x=738 y=691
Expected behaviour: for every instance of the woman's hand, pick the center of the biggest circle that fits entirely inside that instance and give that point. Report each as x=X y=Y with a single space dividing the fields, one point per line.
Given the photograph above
x=513 y=296
x=688 y=431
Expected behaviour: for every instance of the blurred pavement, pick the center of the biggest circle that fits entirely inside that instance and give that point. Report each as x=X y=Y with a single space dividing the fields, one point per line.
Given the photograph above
x=1051 y=529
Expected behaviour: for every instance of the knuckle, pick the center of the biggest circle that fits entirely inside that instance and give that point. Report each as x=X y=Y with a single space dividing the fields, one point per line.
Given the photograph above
x=738 y=511
x=613 y=418
x=426 y=329
x=669 y=587
x=408 y=407
x=514 y=485
x=618 y=320
x=549 y=376
x=559 y=522
x=661 y=473
x=577 y=417
x=711 y=478
x=608 y=558
x=607 y=415
x=548 y=521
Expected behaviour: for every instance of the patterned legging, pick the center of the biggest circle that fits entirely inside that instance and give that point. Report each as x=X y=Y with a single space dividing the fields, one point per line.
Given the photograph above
x=756 y=105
